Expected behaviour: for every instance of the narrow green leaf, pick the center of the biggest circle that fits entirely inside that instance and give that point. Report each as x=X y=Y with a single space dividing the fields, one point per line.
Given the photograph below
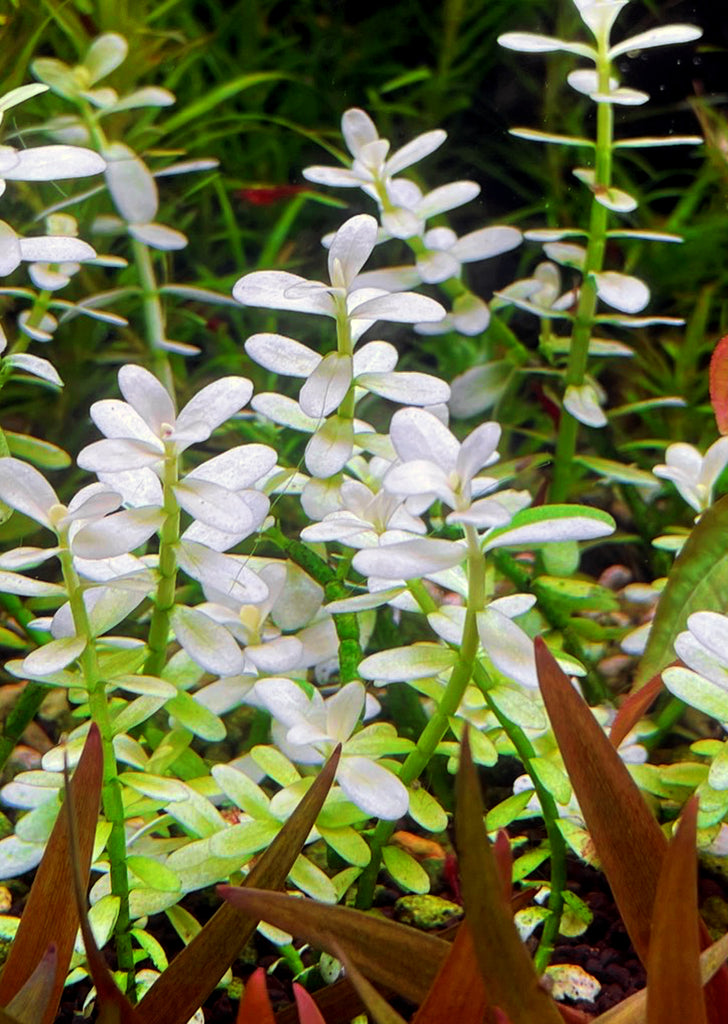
x=698 y=581
x=200 y=109
x=195 y=972
x=510 y=979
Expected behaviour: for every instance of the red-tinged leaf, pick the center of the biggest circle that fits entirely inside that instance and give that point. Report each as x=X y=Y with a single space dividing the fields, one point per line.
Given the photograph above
x=308 y=1011
x=572 y=1016
x=29 y=1004
x=5 y=1018
x=719 y=384
x=633 y=708
x=458 y=992
x=674 y=985
x=50 y=914
x=255 y=1005
x=377 y=1006
x=504 y=861
x=419 y=846
x=383 y=950
x=510 y=979
x=113 y=1006
x=627 y=838
x=194 y=973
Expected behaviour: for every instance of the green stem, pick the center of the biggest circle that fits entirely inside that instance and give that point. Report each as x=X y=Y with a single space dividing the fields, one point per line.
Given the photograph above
x=111 y=787
x=594 y=262
x=153 y=314
x=167 y=570
x=418 y=759
x=550 y=812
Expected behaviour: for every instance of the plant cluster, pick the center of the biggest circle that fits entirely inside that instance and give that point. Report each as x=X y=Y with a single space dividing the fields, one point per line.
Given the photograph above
x=371 y=609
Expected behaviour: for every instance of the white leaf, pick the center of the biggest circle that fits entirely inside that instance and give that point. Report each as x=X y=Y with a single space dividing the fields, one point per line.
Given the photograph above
x=131 y=184
x=510 y=649
x=584 y=405
x=51 y=163
x=326 y=386
x=215 y=403
x=271 y=290
x=412 y=388
x=118 y=533
x=531 y=42
x=330 y=448
x=237 y=467
x=409 y=559
x=372 y=788
x=417 y=149
x=282 y=355
x=206 y=642
x=623 y=292
x=53 y=656
x=698 y=692
x=25 y=489
x=663 y=35
x=36 y=365
x=158 y=236
x=350 y=248
x=24 y=586
x=214 y=505
x=402 y=664
x=55 y=249
x=104 y=55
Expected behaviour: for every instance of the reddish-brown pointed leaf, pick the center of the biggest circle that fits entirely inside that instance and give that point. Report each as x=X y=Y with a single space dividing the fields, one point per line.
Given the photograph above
x=255 y=1005
x=458 y=992
x=633 y=708
x=382 y=950
x=719 y=384
x=627 y=838
x=29 y=1004
x=674 y=985
x=50 y=914
x=195 y=972
x=308 y=1011
x=510 y=979
x=113 y=1006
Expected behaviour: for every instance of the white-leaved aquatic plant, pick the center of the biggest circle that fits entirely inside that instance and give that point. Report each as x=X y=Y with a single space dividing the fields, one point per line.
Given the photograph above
x=169 y=611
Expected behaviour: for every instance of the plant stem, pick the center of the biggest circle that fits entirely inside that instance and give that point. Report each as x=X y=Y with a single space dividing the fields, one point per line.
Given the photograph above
x=167 y=570
x=153 y=314
x=111 y=787
x=418 y=759
x=594 y=261
x=557 y=845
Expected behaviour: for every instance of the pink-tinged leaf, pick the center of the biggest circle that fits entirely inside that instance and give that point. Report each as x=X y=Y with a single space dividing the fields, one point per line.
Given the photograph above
x=308 y=1011
x=674 y=985
x=377 y=1006
x=510 y=979
x=633 y=708
x=458 y=992
x=255 y=1005
x=195 y=972
x=383 y=950
x=50 y=914
x=719 y=384
x=628 y=840
x=29 y=1004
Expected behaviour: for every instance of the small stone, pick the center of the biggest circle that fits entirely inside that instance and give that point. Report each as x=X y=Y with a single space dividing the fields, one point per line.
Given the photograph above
x=426 y=911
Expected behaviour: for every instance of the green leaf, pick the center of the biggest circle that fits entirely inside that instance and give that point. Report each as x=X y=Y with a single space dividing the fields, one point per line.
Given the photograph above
x=200 y=109
x=697 y=691
x=426 y=810
x=312 y=880
x=42 y=454
x=618 y=471
x=348 y=844
x=195 y=972
x=405 y=870
x=196 y=717
x=400 y=664
x=275 y=765
x=548 y=523
x=698 y=581
x=153 y=874
x=507 y=810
